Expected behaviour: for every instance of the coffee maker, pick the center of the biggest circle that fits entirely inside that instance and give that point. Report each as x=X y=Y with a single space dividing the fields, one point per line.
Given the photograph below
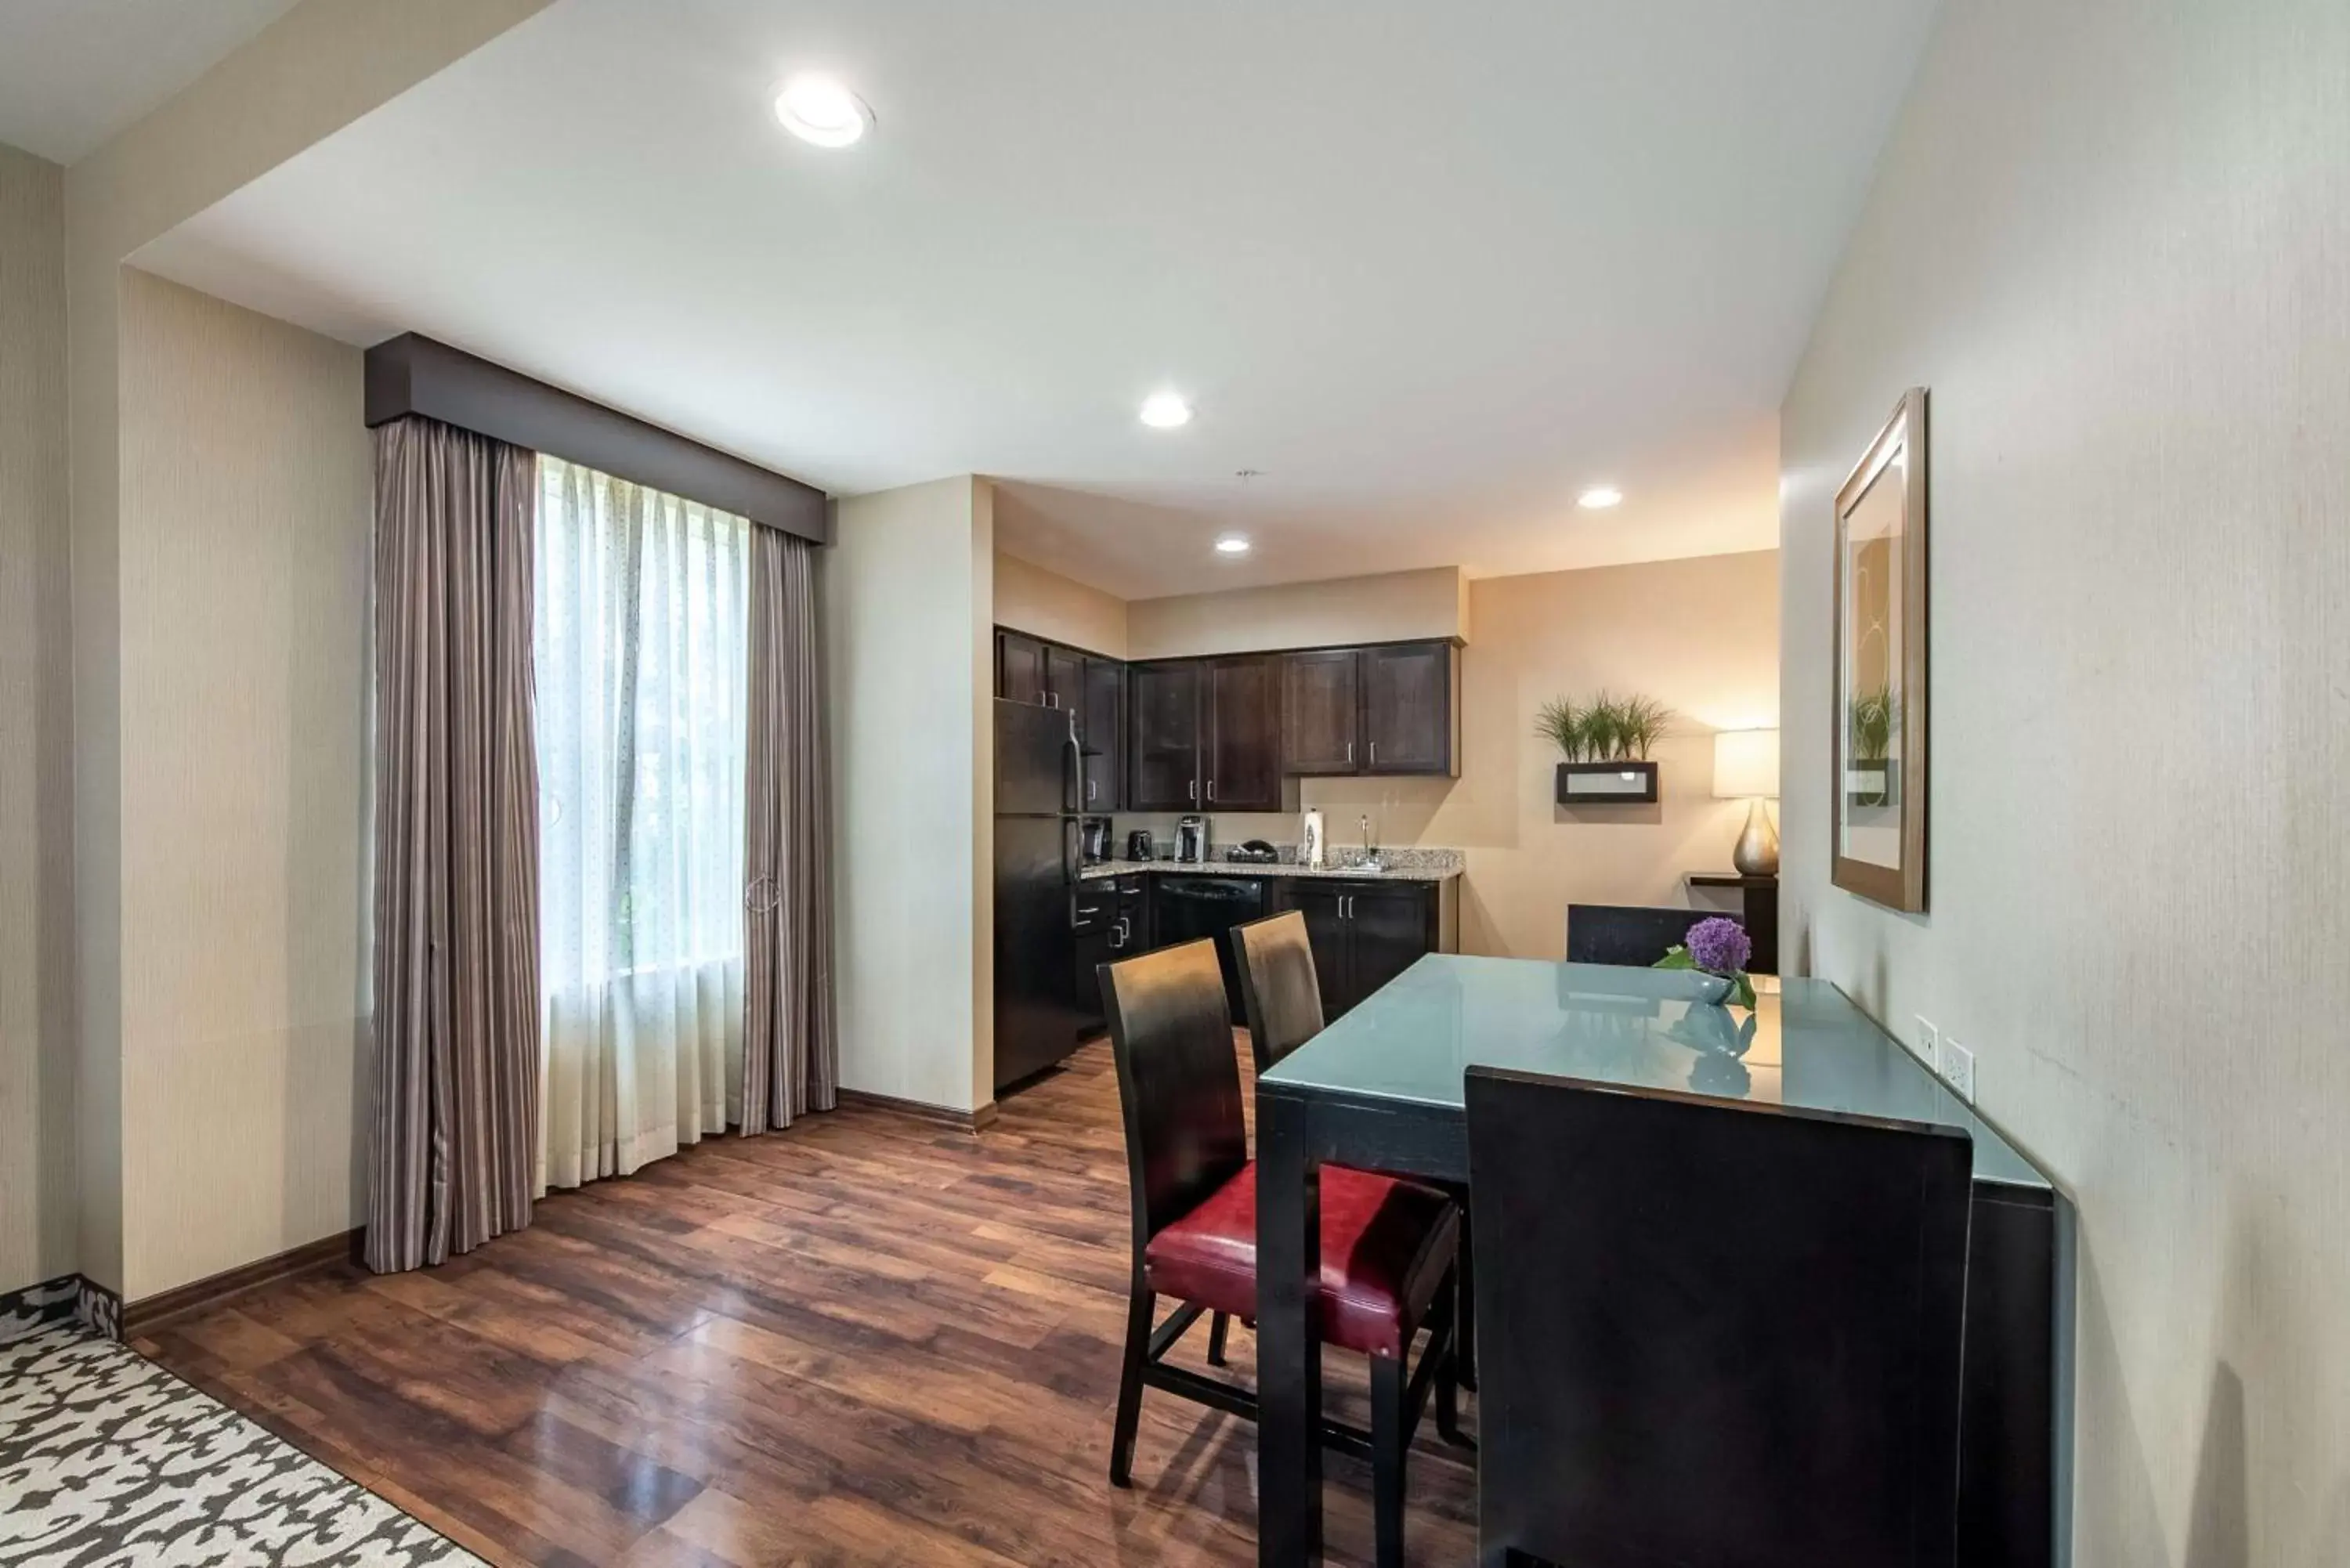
x=1192 y=839
x=1095 y=840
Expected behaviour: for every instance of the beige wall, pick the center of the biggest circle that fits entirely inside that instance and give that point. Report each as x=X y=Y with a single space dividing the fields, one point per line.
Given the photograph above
x=316 y=70
x=1391 y=606
x=2115 y=241
x=246 y=519
x=36 y=1056
x=907 y=593
x=1700 y=635
x=1061 y=609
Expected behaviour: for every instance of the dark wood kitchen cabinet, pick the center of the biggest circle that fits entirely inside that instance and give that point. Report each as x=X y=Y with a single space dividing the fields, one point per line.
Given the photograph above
x=1221 y=732
x=1365 y=933
x=1412 y=704
x=1322 y=701
x=1163 y=758
x=1391 y=709
x=1387 y=928
x=1101 y=732
x=1092 y=689
x=1019 y=668
x=1206 y=734
x=1240 y=733
x=1324 y=907
x=1064 y=678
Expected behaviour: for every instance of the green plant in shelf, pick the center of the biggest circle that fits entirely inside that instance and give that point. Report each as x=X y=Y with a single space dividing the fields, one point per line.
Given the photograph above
x=1606 y=730
x=1560 y=722
x=1874 y=716
x=1640 y=723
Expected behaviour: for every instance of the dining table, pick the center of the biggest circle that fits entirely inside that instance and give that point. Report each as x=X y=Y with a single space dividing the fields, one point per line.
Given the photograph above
x=1381 y=1089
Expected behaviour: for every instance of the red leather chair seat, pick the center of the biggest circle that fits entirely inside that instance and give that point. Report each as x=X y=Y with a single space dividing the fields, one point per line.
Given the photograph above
x=1385 y=1245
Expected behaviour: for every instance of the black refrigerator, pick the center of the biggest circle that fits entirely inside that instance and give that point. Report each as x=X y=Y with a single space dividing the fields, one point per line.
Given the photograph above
x=1038 y=786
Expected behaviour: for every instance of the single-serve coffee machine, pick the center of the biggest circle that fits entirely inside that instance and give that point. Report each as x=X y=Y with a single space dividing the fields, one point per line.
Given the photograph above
x=1192 y=839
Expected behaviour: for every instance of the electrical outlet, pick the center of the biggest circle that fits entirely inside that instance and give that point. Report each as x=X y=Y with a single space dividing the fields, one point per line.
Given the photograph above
x=1923 y=1044
x=1958 y=1069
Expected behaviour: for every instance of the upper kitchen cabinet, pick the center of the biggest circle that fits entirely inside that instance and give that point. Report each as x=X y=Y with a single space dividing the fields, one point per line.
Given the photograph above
x=1101 y=731
x=1239 y=743
x=1411 y=709
x=1064 y=678
x=1091 y=688
x=1391 y=709
x=1163 y=760
x=1019 y=668
x=1322 y=711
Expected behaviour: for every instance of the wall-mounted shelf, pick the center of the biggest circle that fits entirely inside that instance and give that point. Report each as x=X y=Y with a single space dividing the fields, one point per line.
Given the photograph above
x=1607 y=783
x=1873 y=785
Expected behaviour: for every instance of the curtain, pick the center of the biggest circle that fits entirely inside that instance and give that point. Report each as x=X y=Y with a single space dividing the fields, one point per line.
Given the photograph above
x=456 y=846
x=792 y=1052
x=641 y=670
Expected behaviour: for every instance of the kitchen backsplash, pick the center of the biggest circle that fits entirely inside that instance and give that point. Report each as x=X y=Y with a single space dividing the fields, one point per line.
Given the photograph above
x=1342 y=849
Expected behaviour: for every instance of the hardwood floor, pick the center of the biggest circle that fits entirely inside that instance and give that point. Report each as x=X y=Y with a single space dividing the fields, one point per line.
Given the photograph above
x=871 y=1339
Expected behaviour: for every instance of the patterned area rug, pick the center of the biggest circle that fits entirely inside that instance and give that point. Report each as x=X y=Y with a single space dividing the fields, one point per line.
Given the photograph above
x=106 y=1459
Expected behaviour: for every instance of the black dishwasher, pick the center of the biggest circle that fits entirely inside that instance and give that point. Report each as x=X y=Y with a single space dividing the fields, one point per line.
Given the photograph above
x=1184 y=909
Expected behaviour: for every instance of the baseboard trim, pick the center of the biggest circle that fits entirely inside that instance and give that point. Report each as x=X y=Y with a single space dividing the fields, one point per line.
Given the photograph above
x=979 y=1120
x=27 y=1312
x=324 y=1253
x=69 y=1298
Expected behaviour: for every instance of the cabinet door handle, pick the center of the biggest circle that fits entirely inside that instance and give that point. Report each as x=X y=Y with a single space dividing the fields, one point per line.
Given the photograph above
x=1350 y=751
x=1089 y=789
x=1211 y=789
x=1193 y=789
x=1375 y=753
x=1052 y=699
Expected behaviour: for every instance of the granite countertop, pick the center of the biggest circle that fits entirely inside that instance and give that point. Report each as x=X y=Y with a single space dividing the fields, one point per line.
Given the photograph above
x=1413 y=865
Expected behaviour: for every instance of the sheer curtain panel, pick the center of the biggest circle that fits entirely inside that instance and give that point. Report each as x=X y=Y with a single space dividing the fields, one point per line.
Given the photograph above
x=641 y=664
x=456 y=846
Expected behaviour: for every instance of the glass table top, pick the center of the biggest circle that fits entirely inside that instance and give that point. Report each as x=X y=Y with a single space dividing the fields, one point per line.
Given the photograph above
x=1643 y=1028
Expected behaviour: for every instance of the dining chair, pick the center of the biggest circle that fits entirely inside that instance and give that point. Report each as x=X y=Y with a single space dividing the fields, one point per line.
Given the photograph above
x=1720 y=1333
x=1386 y=1244
x=1281 y=993
x=1629 y=934
x=1281 y=996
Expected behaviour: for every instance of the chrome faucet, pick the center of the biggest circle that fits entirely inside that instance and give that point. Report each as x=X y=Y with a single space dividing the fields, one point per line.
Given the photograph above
x=1371 y=860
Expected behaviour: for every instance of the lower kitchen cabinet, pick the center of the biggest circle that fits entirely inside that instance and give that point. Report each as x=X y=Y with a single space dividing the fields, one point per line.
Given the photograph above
x=1111 y=918
x=1365 y=933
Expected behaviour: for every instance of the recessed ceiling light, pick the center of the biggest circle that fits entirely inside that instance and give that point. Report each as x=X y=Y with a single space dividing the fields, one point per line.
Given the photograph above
x=819 y=110
x=1165 y=411
x=1232 y=544
x=1599 y=497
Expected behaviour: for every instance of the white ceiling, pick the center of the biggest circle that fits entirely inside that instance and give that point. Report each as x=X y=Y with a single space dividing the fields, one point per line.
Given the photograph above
x=74 y=72
x=1432 y=269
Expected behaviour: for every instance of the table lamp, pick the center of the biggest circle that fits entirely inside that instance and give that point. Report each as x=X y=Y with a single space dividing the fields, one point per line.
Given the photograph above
x=1746 y=767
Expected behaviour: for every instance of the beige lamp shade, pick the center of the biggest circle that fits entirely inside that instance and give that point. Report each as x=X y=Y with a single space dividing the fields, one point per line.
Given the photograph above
x=1746 y=764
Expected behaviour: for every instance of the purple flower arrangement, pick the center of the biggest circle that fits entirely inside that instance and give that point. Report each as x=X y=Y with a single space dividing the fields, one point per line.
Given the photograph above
x=1720 y=946
x=1717 y=946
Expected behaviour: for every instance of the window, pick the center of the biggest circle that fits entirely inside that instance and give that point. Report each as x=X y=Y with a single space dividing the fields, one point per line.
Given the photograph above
x=640 y=656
